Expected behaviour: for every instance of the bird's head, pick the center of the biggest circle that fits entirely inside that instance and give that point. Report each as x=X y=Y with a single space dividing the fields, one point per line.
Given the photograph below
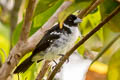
x=72 y=20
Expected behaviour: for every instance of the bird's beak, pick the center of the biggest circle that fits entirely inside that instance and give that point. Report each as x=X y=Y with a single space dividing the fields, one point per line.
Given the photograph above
x=78 y=20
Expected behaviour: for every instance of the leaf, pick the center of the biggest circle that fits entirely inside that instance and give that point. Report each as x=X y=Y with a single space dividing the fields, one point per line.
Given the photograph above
x=114 y=67
x=89 y=22
x=106 y=8
x=77 y=5
x=80 y=49
x=41 y=18
x=44 y=5
x=4 y=44
x=16 y=33
x=4 y=30
x=95 y=21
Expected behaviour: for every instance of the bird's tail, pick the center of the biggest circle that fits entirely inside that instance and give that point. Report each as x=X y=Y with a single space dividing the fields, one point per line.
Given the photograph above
x=24 y=66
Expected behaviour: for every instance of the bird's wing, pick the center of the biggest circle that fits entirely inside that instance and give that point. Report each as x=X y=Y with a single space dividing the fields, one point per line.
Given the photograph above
x=50 y=36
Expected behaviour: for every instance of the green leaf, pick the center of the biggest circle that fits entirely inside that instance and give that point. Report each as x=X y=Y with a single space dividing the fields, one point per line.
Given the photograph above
x=89 y=22
x=41 y=18
x=95 y=21
x=4 y=30
x=16 y=33
x=114 y=67
x=44 y=5
x=106 y=8
x=77 y=5
x=80 y=49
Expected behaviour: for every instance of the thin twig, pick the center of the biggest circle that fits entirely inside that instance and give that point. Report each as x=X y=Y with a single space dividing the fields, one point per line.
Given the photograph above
x=97 y=2
x=43 y=70
x=90 y=8
x=82 y=41
x=82 y=12
x=28 y=20
x=118 y=1
x=13 y=18
x=106 y=48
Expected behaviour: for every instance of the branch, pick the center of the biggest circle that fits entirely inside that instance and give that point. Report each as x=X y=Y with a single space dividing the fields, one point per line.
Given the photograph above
x=15 y=53
x=97 y=2
x=118 y=1
x=90 y=8
x=83 y=12
x=14 y=18
x=28 y=20
x=82 y=41
x=43 y=70
x=106 y=48
x=23 y=46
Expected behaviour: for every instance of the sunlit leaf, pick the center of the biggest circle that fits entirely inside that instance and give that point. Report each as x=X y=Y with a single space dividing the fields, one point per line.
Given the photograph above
x=80 y=49
x=106 y=8
x=4 y=44
x=114 y=67
x=89 y=22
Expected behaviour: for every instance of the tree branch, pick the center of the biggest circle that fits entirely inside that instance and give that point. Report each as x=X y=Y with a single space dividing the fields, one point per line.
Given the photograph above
x=28 y=20
x=24 y=46
x=15 y=53
x=90 y=8
x=82 y=13
x=82 y=41
x=13 y=18
x=97 y=2
x=43 y=70
x=118 y=1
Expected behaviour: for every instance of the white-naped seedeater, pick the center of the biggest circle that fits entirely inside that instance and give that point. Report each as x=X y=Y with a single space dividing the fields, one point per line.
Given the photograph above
x=56 y=41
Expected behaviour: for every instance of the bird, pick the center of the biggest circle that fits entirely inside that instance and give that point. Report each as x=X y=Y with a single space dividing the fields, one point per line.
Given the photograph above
x=54 y=43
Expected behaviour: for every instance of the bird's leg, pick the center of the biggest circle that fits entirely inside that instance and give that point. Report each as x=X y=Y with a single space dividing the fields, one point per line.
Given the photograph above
x=62 y=55
x=55 y=64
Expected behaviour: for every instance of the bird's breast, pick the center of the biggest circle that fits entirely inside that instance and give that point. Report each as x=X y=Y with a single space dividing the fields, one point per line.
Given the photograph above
x=63 y=44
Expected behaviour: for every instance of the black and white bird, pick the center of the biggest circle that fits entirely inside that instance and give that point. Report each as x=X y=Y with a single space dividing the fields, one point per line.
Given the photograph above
x=55 y=42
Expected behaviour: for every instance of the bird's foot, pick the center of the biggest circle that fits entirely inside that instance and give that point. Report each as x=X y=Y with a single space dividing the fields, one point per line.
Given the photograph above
x=62 y=55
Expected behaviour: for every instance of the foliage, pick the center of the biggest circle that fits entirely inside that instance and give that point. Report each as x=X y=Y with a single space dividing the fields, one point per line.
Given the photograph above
x=114 y=64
